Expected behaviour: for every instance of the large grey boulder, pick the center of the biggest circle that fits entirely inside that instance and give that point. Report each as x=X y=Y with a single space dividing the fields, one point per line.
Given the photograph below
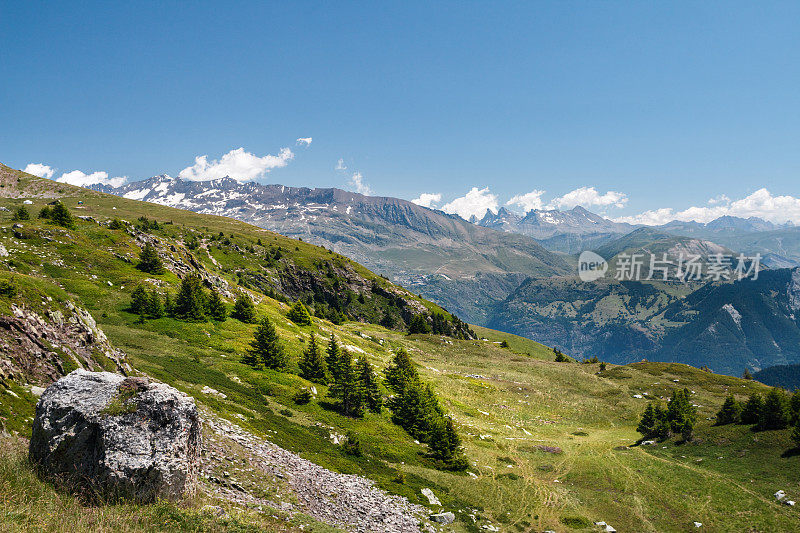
x=118 y=437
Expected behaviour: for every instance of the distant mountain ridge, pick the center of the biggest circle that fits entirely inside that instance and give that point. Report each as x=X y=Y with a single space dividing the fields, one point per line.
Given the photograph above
x=409 y=243
x=564 y=231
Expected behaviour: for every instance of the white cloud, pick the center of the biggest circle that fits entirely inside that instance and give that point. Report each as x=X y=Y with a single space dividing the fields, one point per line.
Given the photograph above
x=527 y=201
x=81 y=179
x=340 y=165
x=761 y=204
x=39 y=169
x=237 y=164
x=589 y=197
x=427 y=199
x=475 y=202
x=304 y=141
x=720 y=199
x=357 y=182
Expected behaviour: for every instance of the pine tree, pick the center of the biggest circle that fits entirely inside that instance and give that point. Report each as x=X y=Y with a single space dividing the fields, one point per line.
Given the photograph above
x=190 y=304
x=217 y=309
x=116 y=224
x=139 y=300
x=333 y=354
x=21 y=213
x=400 y=372
x=681 y=414
x=647 y=425
x=796 y=435
x=60 y=215
x=299 y=314
x=149 y=261
x=730 y=412
x=155 y=306
x=751 y=409
x=346 y=387
x=794 y=408
x=774 y=413
x=267 y=347
x=169 y=304
x=243 y=309
x=250 y=358
x=368 y=383
x=45 y=212
x=445 y=445
x=746 y=374
x=312 y=366
x=418 y=324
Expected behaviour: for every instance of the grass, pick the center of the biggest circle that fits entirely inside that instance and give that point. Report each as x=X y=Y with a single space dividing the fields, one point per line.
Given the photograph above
x=29 y=504
x=513 y=405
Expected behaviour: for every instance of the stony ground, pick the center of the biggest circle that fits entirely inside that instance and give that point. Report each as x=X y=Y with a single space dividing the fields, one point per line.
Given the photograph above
x=246 y=469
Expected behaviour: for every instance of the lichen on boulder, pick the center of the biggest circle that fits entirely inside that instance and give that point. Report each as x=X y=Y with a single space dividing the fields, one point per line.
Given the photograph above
x=117 y=437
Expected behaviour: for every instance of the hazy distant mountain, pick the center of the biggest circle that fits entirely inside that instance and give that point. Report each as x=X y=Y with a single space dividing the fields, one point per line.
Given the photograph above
x=409 y=243
x=727 y=326
x=563 y=231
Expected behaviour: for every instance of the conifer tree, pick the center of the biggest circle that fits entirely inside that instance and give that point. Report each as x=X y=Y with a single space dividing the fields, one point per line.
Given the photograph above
x=418 y=324
x=647 y=425
x=746 y=374
x=243 y=309
x=149 y=261
x=346 y=387
x=730 y=412
x=796 y=435
x=139 y=300
x=445 y=445
x=45 y=212
x=794 y=408
x=217 y=309
x=751 y=409
x=190 y=304
x=21 y=213
x=681 y=414
x=267 y=347
x=312 y=366
x=155 y=305
x=60 y=215
x=332 y=356
x=169 y=304
x=368 y=384
x=299 y=314
x=774 y=413
x=400 y=372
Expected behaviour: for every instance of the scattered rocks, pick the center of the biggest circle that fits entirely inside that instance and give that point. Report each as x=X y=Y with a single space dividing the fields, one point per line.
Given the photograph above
x=698 y=524
x=780 y=495
x=432 y=499
x=443 y=518
x=213 y=392
x=118 y=437
x=347 y=501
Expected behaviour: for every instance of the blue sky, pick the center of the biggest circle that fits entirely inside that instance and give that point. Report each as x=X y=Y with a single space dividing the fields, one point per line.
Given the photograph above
x=668 y=105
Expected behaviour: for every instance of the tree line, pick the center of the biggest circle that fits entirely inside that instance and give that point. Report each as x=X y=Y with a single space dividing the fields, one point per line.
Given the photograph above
x=775 y=410
x=355 y=388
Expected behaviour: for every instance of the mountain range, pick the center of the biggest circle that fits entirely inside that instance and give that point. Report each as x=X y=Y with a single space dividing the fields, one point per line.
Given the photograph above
x=279 y=452
x=515 y=273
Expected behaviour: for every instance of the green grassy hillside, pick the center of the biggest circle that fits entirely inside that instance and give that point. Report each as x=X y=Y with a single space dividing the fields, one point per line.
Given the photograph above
x=550 y=444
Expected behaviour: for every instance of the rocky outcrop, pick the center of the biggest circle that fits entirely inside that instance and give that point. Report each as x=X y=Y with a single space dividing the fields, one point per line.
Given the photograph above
x=118 y=437
x=40 y=349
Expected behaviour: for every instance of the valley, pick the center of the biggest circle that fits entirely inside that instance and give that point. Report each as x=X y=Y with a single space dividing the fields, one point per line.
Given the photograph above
x=551 y=446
